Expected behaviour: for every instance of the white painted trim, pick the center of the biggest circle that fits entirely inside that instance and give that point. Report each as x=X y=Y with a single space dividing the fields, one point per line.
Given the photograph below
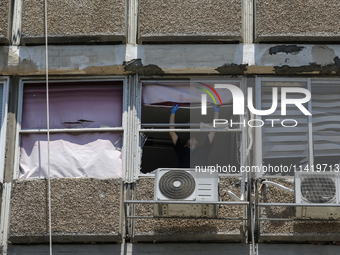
x=258 y=131
x=248 y=54
x=132 y=25
x=16 y=24
x=310 y=128
x=125 y=127
x=17 y=136
x=3 y=125
x=5 y=215
x=138 y=128
x=247 y=21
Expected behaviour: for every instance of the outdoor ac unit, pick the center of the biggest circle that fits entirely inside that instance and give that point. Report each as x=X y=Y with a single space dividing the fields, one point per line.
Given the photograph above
x=317 y=188
x=185 y=185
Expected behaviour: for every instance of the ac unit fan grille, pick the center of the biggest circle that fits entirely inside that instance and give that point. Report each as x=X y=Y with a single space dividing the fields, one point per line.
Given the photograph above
x=177 y=184
x=318 y=189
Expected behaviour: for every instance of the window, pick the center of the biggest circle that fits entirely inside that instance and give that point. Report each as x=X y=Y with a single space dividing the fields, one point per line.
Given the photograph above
x=3 y=123
x=314 y=141
x=326 y=122
x=85 y=129
x=283 y=146
x=158 y=98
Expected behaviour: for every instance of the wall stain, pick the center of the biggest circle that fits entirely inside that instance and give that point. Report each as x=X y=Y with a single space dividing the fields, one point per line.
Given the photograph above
x=330 y=69
x=136 y=66
x=288 y=49
x=322 y=54
x=24 y=67
x=232 y=69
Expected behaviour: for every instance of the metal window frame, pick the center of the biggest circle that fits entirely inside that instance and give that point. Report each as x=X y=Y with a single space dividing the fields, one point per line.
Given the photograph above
x=316 y=81
x=243 y=86
x=129 y=205
x=122 y=129
x=3 y=124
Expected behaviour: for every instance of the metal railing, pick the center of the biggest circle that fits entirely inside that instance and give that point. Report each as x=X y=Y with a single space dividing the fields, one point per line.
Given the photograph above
x=127 y=210
x=258 y=217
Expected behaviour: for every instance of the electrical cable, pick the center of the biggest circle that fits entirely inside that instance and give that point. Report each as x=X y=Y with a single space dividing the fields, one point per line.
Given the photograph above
x=48 y=133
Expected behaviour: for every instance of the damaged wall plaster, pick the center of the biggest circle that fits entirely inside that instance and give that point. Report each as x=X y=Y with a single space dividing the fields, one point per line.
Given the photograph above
x=288 y=49
x=136 y=66
x=228 y=59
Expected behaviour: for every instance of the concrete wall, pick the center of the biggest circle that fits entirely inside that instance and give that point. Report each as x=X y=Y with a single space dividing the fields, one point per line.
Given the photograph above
x=297 y=20
x=190 y=18
x=290 y=230
x=187 y=229
x=4 y=18
x=83 y=209
x=85 y=21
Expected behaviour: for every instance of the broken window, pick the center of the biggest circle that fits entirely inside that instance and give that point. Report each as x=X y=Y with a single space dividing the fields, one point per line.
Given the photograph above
x=158 y=150
x=85 y=130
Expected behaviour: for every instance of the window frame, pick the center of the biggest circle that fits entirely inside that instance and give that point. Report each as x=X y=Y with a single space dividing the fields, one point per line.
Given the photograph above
x=258 y=157
x=121 y=129
x=243 y=86
x=3 y=125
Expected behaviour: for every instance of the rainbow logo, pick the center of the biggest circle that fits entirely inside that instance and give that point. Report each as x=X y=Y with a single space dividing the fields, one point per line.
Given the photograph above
x=209 y=93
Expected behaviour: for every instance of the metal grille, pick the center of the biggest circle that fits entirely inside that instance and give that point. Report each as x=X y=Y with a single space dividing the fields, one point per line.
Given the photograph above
x=318 y=189
x=177 y=184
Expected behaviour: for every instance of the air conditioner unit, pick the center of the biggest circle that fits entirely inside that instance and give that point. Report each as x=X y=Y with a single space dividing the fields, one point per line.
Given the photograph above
x=317 y=188
x=185 y=185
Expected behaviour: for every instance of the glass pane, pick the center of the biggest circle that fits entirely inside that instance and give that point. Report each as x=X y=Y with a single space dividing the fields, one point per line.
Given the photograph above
x=73 y=105
x=283 y=148
x=326 y=124
x=159 y=151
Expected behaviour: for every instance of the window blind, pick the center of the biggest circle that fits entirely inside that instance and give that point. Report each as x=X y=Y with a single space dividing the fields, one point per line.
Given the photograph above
x=283 y=142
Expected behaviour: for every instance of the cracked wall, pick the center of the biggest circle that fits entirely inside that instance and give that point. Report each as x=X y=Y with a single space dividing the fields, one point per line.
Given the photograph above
x=297 y=18
x=4 y=16
x=90 y=20
x=190 y=18
x=87 y=209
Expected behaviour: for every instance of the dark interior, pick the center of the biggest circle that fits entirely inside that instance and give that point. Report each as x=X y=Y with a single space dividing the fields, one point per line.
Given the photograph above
x=158 y=150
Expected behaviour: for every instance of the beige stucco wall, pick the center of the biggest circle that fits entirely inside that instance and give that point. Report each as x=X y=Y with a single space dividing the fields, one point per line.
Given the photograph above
x=80 y=206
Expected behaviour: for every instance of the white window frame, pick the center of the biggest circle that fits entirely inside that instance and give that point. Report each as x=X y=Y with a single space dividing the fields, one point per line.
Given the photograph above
x=243 y=85
x=258 y=157
x=3 y=124
x=121 y=129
